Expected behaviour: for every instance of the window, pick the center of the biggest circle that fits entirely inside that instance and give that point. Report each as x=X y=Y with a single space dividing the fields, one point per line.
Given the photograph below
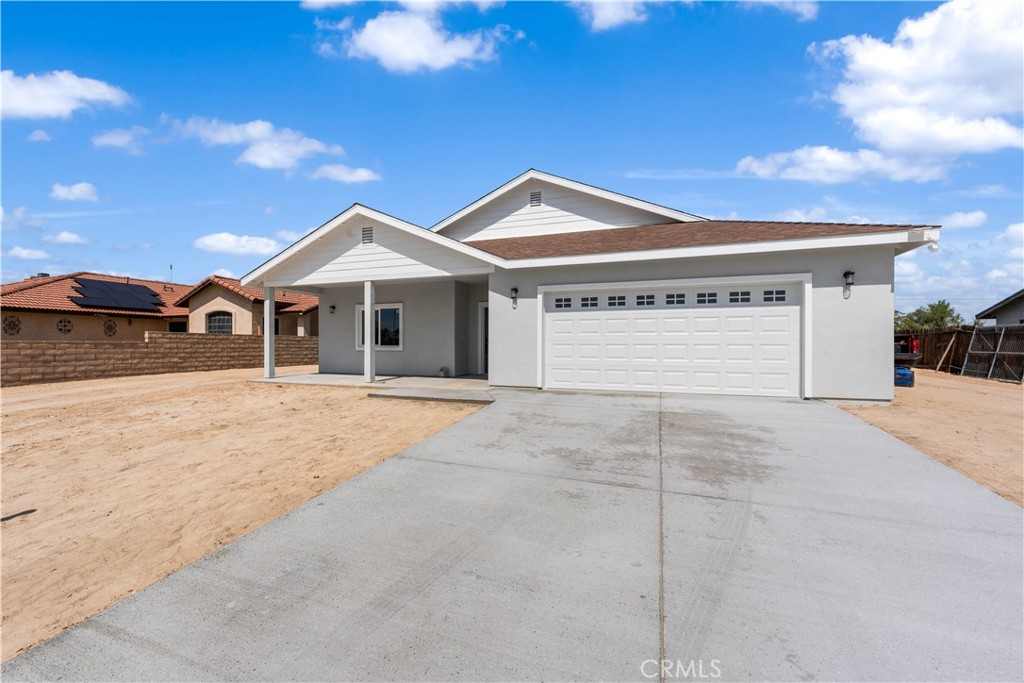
x=387 y=328
x=177 y=326
x=772 y=295
x=675 y=299
x=535 y=198
x=739 y=297
x=277 y=326
x=219 y=323
x=707 y=298
x=588 y=302
x=368 y=235
x=617 y=300
x=644 y=299
x=563 y=302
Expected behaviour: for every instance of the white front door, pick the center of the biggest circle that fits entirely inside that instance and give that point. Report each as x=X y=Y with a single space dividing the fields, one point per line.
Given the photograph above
x=715 y=339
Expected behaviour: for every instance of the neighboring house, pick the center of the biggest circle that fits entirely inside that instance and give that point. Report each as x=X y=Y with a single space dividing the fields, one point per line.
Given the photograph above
x=550 y=283
x=220 y=305
x=1009 y=311
x=89 y=306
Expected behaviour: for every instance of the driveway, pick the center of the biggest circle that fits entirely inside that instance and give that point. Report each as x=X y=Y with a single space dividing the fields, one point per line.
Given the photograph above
x=570 y=536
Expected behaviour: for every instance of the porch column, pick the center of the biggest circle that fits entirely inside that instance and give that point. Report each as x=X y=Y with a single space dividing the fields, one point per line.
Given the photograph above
x=268 y=332
x=369 y=336
x=300 y=324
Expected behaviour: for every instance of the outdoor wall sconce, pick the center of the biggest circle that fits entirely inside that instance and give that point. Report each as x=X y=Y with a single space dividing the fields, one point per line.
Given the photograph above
x=331 y=308
x=515 y=296
x=847 y=283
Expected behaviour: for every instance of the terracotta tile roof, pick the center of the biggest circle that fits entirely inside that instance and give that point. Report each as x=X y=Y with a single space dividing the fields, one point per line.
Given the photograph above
x=670 y=236
x=285 y=301
x=54 y=294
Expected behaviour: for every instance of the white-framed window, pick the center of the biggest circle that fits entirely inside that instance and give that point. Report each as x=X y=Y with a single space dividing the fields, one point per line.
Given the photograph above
x=705 y=298
x=616 y=300
x=387 y=329
x=742 y=297
x=588 y=302
x=773 y=295
x=563 y=302
x=644 y=299
x=675 y=299
x=219 y=322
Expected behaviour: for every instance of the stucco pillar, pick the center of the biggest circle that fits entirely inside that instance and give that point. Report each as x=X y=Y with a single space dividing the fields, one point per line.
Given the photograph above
x=369 y=365
x=268 y=332
x=301 y=322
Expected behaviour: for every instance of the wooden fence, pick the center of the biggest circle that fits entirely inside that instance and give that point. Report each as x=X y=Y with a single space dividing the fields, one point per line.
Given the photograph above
x=990 y=352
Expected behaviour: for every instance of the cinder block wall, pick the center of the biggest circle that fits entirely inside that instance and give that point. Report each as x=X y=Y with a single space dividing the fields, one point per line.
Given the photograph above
x=34 y=362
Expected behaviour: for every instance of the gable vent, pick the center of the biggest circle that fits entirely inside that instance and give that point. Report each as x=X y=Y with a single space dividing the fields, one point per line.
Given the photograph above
x=368 y=235
x=535 y=198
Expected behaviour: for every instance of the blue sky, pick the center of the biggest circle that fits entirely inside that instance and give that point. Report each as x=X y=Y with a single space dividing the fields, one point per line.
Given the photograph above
x=209 y=135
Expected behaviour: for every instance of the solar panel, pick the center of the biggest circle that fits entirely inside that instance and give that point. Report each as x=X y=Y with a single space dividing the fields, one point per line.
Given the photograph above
x=120 y=295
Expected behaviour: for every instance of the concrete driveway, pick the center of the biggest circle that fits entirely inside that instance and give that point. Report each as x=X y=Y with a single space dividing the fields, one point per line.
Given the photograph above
x=586 y=537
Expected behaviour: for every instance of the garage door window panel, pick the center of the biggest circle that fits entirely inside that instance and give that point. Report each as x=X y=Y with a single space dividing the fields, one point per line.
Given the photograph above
x=707 y=298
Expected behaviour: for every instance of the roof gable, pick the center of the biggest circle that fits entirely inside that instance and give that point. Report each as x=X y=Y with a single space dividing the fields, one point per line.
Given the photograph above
x=333 y=253
x=564 y=206
x=990 y=312
x=284 y=301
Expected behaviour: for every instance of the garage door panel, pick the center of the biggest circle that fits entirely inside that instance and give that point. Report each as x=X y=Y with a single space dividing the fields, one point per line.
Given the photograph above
x=749 y=346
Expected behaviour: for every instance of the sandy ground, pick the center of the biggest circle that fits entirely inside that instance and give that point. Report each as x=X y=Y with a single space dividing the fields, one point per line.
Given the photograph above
x=134 y=478
x=975 y=426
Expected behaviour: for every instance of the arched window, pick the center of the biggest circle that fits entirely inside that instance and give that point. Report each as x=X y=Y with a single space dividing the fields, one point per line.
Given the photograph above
x=219 y=322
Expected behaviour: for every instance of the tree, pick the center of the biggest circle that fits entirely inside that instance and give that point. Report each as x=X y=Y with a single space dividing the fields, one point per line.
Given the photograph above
x=931 y=317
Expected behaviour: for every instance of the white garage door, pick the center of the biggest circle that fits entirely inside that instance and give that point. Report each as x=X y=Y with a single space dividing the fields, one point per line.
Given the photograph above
x=728 y=339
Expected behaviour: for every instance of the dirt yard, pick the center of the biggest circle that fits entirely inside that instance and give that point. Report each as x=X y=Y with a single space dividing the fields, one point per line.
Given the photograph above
x=134 y=478
x=975 y=426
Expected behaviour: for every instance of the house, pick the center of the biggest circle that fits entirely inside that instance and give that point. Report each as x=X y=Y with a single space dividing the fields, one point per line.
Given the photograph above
x=222 y=305
x=550 y=283
x=1009 y=311
x=90 y=306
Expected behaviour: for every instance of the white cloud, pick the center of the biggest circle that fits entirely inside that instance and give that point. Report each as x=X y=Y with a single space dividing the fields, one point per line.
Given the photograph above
x=65 y=237
x=79 y=192
x=325 y=4
x=128 y=139
x=602 y=16
x=292 y=235
x=411 y=41
x=344 y=174
x=19 y=218
x=804 y=10
x=229 y=243
x=813 y=215
x=28 y=254
x=224 y=272
x=265 y=145
x=39 y=135
x=950 y=82
x=964 y=219
x=822 y=164
x=56 y=94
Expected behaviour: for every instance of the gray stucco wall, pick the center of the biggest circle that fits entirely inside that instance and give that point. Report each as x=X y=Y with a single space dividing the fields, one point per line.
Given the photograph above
x=1011 y=314
x=428 y=329
x=851 y=339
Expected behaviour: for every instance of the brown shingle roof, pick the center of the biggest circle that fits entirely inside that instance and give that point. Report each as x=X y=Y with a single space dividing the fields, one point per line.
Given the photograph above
x=54 y=294
x=670 y=236
x=285 y=301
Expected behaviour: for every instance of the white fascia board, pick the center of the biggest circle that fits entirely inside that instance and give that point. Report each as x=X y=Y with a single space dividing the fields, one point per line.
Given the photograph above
x=254 y=277
x=534 y=174
x=893 y=238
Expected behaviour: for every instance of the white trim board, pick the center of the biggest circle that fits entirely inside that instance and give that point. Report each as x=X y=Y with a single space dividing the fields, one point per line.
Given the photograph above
x=804 y=279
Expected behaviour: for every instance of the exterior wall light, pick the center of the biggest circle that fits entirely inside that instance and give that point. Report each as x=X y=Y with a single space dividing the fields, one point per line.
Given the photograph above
x=515 y=297
x=332 y=308
x=848 y=277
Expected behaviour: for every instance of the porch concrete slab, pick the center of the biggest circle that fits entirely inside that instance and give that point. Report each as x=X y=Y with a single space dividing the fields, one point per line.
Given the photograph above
x=536 y=538
x=471 y=383
x=430 y=394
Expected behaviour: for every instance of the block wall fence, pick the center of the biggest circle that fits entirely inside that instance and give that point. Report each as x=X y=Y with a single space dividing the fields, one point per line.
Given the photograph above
x=36 y=362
